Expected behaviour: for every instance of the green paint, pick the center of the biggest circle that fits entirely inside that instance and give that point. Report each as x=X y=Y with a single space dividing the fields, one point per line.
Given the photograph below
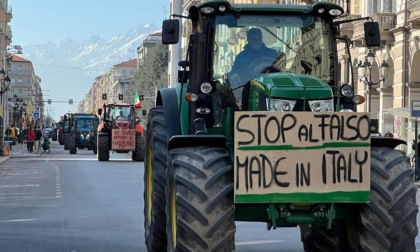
x=291 y=147
x=310 y=197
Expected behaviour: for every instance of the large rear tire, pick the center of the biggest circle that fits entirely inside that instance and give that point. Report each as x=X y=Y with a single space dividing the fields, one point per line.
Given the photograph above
x=388 y=222
x=155 y=180
x=66 y=141
x=138 y=153
x=103 y=148
x=72 y=144
x=200 y=211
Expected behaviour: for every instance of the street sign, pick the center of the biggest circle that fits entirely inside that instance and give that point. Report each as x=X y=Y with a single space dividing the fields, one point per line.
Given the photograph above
x=36 y=112
x=415 y=108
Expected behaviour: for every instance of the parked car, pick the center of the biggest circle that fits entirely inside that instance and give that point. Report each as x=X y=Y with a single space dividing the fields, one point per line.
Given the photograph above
x=49 y=132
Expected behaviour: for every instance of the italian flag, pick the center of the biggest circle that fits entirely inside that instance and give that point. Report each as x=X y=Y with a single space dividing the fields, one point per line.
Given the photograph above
x=137 y=102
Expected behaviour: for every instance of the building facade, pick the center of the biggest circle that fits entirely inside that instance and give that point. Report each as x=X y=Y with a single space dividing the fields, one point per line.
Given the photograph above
x=24 y=95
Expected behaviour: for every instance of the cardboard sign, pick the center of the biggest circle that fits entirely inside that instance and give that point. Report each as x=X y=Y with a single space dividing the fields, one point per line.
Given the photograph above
x=301 y=157
x=123 y=139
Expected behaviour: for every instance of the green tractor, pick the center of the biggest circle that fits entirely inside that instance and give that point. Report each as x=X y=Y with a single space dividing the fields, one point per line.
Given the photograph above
x=285 y=145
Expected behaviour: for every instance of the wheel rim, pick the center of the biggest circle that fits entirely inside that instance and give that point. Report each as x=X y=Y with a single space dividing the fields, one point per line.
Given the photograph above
x=149 y=185
x=173 y=215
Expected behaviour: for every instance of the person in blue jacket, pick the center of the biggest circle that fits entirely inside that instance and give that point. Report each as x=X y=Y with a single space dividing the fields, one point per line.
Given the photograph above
x=255 y=57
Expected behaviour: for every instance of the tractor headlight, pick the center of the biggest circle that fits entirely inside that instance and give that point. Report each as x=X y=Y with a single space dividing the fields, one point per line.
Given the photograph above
x=206 y=88
x=335 y=12
x=346 y=90
x=281 y=105
x=207 y=10
x=321 y=105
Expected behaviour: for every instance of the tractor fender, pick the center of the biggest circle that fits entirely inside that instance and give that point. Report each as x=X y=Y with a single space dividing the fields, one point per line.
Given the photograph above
x=181 y=141
x=140 y=128
x=167 y=98
x=386 y=142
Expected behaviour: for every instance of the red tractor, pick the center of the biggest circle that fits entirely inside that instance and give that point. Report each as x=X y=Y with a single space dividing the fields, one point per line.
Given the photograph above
x=120 y=131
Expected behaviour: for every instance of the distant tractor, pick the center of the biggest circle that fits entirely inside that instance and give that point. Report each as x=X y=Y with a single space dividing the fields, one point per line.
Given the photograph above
x=68 y=127
x=83 y=134
x=120 y=131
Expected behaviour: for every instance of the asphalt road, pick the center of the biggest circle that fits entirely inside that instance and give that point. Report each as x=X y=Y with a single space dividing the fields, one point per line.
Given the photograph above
x=62 y=202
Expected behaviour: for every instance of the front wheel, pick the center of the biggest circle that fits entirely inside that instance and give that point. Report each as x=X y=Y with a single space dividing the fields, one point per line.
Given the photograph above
x=155 y=180
x=103 y=148
x=138 y=153
x=71 y=143
x=387 y=223
x=200 y=211
x=66 y=141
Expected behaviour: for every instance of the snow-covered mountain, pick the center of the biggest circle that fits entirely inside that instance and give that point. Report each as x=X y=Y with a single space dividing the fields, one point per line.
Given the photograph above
x=68 y=68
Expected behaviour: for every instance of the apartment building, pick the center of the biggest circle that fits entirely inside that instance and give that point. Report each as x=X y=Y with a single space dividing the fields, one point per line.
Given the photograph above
x=24 y=95
x=118 y=80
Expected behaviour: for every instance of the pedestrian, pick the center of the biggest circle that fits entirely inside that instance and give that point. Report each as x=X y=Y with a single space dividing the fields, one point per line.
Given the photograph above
x=38 y=136
x=10 y=135
x=30 y=139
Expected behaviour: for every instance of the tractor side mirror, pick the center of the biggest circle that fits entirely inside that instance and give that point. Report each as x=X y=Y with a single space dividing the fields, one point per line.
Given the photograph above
x=170 y=31
x=372 y=34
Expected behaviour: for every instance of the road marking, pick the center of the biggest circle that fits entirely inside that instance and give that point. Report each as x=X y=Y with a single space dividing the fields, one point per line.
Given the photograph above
x=58 y=192
x=18 y=220
x=14 y=186
x=257 y=242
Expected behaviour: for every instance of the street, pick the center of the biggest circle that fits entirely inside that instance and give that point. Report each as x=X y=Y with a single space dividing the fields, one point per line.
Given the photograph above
x=60 y=202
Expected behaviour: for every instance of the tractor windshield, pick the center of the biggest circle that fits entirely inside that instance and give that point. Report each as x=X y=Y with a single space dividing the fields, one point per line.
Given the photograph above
x=248 y=45
x=122 y=113
x=85 y=123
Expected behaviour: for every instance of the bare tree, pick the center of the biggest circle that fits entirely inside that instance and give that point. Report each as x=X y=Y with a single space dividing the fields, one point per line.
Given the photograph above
x=151 y=76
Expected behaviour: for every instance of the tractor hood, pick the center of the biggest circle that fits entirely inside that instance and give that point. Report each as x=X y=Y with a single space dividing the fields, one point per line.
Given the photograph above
x=292 y=86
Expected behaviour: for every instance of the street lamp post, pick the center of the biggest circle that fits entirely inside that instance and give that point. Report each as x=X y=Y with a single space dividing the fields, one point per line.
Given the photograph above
x=13 y=104
x=366 y=74
x=17 y=105
x=4 y=86
x=22 y=119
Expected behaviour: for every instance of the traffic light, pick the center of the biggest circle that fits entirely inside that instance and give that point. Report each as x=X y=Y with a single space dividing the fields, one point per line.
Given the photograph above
x=103 y=96
x=70 y=101
x=120 y=97
x=141 y=97
x=49 y=101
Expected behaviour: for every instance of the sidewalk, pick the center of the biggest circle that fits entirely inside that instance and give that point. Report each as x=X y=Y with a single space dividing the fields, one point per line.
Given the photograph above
x=19 y=151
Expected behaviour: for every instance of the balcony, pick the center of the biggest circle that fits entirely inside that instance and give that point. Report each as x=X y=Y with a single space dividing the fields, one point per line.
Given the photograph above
x=9 y=15
x=386 y=21
x=8 y=35
x=414 y=13
x=347 y=29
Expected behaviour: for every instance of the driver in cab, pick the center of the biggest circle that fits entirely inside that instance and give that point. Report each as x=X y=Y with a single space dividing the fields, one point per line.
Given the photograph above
x=242 y=69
